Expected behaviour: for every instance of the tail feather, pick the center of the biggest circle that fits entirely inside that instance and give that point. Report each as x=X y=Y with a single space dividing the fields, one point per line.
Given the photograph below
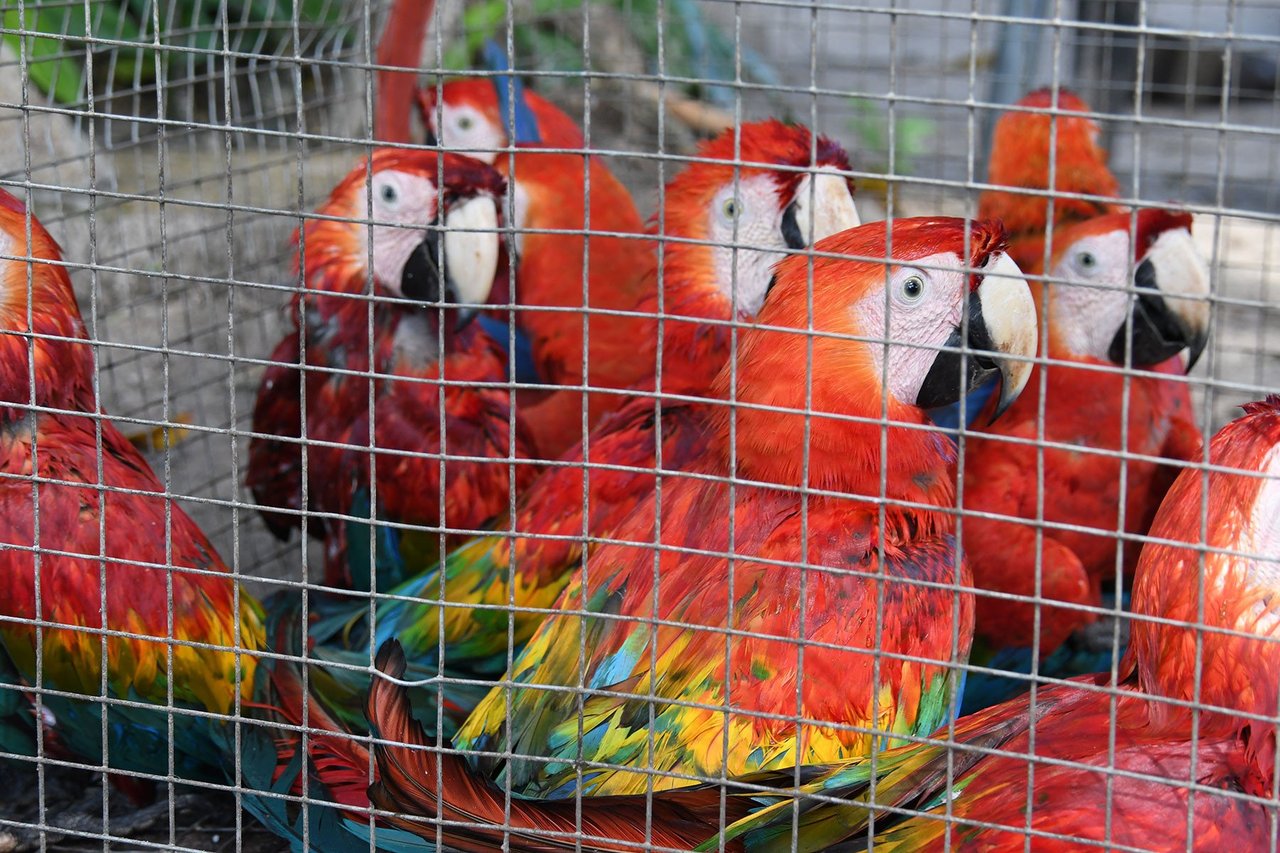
x=271 y=789
x=435 y=791
x=311 y=797
x=340 y=762
x=915 y=777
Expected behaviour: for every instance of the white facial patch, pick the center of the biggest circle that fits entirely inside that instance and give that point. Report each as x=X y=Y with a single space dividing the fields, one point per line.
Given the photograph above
x=471 y=244
x=916 y=313
x=750 y=219
x=468 y=131
x=1086 y=299
x=824 y=206
x=404 y=204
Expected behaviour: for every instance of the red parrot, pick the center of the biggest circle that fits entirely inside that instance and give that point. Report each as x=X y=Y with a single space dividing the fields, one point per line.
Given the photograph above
x=1024 y=147
x=334 y=318
x=1084 y=406
x=550 y=197
x=1128 y=752
x=777 y=208
x=1094 y=330
x=671 y=694
x=774 y=209
x=90 y=542
x=1232 y=590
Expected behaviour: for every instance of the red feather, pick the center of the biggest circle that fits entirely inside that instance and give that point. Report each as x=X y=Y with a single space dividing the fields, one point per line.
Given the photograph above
x=1083 y=407
x=406 y=396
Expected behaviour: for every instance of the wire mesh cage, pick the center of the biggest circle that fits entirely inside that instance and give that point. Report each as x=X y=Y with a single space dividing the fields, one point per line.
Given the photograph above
x=407 y=452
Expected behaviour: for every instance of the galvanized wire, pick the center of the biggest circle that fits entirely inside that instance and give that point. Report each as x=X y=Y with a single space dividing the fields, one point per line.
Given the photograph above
x=175 y=193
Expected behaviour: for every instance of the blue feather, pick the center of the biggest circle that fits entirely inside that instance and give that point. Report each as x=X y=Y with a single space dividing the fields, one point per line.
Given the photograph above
x=1086 y=651
x=526 y=371
x=509 y=87
x=948 y=417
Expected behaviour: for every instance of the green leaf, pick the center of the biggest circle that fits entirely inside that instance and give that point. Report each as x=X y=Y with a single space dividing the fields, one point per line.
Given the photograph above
x=52 y=63
x=109 y=20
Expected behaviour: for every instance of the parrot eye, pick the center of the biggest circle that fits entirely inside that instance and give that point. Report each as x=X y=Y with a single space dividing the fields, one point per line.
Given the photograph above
x=389 y=194
x=1086 y=261
x=912 y=290
x=464 y=123
x=731 y=209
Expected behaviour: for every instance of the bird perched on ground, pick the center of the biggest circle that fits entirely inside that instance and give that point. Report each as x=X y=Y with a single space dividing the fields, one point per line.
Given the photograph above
x=428 y=244
x=90 y=542
x=1204 y=631
x=694 y=701
x=1094 y=330
x=775 y=207
x=1099 y=252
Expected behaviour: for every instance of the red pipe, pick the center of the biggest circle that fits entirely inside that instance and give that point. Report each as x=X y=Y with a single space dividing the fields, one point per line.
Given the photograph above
x=400 y=46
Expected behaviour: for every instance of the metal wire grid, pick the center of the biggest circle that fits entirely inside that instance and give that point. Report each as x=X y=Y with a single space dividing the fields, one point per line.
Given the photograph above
x=174 y=197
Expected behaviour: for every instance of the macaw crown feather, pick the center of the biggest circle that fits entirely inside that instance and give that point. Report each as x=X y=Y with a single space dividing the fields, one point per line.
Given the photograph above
x=904 y=241
x=759 y=147
x=456 y=174
x=12 y=203
x=1043 y=99
x=1150 y=224
x=1269 y=405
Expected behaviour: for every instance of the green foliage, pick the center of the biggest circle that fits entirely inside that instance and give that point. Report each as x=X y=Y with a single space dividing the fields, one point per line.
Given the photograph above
x=56 y=42
x=691 y=46
x=911 y=134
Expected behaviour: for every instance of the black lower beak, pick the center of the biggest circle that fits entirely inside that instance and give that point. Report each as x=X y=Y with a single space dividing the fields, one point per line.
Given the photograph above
x=421 y=278
x=950 y=381
x=427 y=281
x=1157 y=333
x=791 y=232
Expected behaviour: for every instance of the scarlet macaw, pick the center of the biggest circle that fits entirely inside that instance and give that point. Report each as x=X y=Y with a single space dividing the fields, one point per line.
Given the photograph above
x=90 y=542
x=1204 y=631
x=416 y=224
x=1099 y=254
x=690 y=661
x=572 y=255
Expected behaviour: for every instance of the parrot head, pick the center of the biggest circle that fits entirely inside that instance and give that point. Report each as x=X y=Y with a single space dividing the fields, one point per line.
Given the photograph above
x=1091 y=313
x=1021 y=153
x=425 y=225
x=786 y=191
x=467 y=115
x=947 y=311
x=37 y=308
x=1214 y=560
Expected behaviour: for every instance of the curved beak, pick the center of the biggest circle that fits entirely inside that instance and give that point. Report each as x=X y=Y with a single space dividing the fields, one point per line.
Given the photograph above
x=1171 y=309
x=822 y=206
x=1001 y=341
x=471 y=246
